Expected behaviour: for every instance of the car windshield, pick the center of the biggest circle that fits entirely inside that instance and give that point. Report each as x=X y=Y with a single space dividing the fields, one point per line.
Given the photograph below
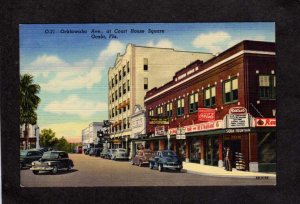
x=168 y=154
x=23 y=153
x=50 y=155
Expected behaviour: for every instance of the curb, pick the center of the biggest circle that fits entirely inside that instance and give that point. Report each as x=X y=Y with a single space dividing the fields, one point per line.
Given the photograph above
x=228 y=176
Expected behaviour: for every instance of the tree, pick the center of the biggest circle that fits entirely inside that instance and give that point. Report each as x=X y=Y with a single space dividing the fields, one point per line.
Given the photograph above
x=62 y=144
x=29 y=102
x=47 y=138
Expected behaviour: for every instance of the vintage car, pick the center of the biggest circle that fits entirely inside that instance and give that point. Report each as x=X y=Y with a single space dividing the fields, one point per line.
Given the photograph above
x=52 y=161
x=104 y=153
x=142 y=157
x=95 y=152
x=28 y=156
x=119 y=154
x=87 y=151
x=166 y=159
x=109 y=153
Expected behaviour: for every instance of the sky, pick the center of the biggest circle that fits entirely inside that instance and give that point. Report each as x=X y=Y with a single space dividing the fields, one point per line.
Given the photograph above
x=71 y=67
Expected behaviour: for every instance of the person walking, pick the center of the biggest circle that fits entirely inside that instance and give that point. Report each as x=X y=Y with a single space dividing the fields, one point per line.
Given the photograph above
x=228 y=159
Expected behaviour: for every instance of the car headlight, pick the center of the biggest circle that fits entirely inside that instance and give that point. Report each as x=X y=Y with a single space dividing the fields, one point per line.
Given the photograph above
x=49 y=163
x=32 y=163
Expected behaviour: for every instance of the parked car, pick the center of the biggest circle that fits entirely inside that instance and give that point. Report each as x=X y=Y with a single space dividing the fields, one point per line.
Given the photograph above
x=119 y=154
x=166 y=159
x=109 y=153
x=43 y=149
x=28 y=156
x=87 y=151
x=52 y=161
x=96 y=152
x=92 y=152
x=142 y=157
x=104 y=153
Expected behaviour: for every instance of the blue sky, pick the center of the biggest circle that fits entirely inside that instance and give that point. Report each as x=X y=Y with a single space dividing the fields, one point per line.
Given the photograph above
x=72 y=67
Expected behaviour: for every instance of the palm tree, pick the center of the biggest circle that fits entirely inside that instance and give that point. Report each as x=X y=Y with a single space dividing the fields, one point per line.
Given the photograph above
x=29 y=102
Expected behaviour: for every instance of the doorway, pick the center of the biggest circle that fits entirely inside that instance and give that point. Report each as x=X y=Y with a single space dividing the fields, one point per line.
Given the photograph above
x=235 y=146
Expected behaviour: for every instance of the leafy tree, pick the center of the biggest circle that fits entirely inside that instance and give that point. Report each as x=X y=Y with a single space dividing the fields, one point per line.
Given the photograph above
x=47 y=138
x=29 y=102
x=62 y=144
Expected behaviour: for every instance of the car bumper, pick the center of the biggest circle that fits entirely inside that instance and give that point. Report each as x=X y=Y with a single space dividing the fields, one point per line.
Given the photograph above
x=172 y=166
x=36 y=168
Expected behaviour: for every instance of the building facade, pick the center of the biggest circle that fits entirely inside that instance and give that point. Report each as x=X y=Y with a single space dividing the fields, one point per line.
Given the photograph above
x=33 y=137
x=89 y=135
x=135 y=72
x=228 y=101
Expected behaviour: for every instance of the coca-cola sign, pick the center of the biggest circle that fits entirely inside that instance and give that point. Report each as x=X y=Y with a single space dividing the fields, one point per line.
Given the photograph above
x=206 y=114
x=237 y=110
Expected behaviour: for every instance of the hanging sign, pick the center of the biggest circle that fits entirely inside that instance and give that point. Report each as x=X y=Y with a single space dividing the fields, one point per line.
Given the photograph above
x=159 y=130
x=237 y=118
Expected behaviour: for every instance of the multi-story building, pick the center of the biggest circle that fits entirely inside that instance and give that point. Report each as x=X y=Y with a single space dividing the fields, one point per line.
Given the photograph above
x=228 y=101
x=33 y=137
x=135 y=72
x=89 y=134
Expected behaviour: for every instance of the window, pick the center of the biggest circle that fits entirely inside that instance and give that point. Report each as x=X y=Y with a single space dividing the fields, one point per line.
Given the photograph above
x=124 y=123
x=124 y=108
x=120 y=75
x=116 y=111
x=151 y=112
x=145 y=83
x=116 y=95
x=120 y=110
x=128 y=122
x=113 y=97
x=145 y=64
x=128 y=107
x=159 y=111
x=230 y=90
x=128 y=85
x=113 y=112
x=120 y=91
x=116 y=79
x=112 y=82
x=210 y=96
x=267 y=86
x=128 y=67
x=169 y=109
x=124 y=88
x=193 y=102
x=124 y=71
x=180 y=107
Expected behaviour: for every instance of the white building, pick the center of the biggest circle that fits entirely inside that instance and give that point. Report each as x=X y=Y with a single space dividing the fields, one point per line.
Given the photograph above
x=89 y=134
x=135 y=72
x=33 y=137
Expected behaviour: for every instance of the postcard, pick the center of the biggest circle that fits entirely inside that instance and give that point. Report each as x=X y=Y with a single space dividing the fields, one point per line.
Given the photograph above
x=147 y=104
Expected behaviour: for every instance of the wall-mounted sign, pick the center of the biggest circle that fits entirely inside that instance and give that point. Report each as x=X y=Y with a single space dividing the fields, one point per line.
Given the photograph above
x=240 y=130
x=160 y=131
x=180 y=137
x=158 y=120
x=116 y=141
x=218 y=124
x=237 y=118
x=180 y=133
x=265 y=122
x=206 y=114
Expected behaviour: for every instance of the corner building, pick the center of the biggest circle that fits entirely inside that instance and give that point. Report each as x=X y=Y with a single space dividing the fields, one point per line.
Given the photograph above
x=239 y=87
x=135 y=72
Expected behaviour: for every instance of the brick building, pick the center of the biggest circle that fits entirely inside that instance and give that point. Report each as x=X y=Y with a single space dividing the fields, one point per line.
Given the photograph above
x=238 y=89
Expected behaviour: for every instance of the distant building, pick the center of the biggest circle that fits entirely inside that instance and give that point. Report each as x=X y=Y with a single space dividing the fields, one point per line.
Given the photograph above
x=89 y=134
x=135 y=72
x=33 y=137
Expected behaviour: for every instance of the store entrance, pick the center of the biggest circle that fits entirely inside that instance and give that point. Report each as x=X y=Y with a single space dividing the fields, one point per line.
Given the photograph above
x=235 y=146
x=211 y=151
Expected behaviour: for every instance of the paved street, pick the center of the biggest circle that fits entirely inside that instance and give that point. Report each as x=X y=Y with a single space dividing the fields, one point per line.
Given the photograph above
x=95 y=171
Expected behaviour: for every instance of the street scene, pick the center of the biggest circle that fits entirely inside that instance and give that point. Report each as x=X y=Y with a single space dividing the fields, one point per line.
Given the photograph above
x=156 y=104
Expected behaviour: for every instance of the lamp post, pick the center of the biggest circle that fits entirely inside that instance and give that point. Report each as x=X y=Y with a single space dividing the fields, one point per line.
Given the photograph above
x=168 y=136
x=37 y=135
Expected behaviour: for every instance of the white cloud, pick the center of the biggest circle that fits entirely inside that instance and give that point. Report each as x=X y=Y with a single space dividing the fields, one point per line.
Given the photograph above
x=73 y=105
x=163 y=43
x=212 y=41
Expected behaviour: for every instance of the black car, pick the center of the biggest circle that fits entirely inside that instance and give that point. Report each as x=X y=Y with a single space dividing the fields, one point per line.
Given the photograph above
x=87 y=151
x=166 y=159
x=96 y=152
x=28 y=156
x=52 y=161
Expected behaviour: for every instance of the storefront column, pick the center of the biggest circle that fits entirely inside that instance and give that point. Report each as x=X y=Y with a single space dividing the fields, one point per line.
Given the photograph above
x=131 y=153
x=202 y=161
x=253 y=162
x=187 y=151
x=152 y=145
x=220 y=142
x=161 y=144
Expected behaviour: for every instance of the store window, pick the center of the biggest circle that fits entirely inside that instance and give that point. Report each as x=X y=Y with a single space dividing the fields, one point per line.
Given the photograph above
x=210 y=96
x=124 y=88
x=193 y=103
x=195 y=150
x=180 y=107
x=230 y=90
x=211 y=151
x=180 y=149
x=145 y=83
x=169 y=109
x=267 y=86
x=159 y=111
x=267 y=147
x=145 y=64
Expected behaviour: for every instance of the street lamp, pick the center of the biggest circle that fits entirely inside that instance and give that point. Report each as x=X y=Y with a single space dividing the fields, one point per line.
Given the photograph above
x=168 y=136
x=37 y=136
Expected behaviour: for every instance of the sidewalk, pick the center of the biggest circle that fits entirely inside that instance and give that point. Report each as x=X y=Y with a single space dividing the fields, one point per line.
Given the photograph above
x=207 y=170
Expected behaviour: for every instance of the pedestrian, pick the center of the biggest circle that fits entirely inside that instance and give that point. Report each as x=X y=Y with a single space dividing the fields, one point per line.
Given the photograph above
x=228 y=159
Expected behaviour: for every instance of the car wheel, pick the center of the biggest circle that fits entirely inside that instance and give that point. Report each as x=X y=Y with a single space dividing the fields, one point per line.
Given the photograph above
x=69 y=167
x=35 y=172
x=150 y=165
x=54 y=170
x=160 y=167
x=179 y=169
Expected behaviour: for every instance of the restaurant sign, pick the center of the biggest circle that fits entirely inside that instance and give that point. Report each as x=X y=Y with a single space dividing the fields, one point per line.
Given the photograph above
x=158 y=120
x=206 y=114
x=265 y=122
x=160 y=131
x=217 y=124
x=237 y=118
